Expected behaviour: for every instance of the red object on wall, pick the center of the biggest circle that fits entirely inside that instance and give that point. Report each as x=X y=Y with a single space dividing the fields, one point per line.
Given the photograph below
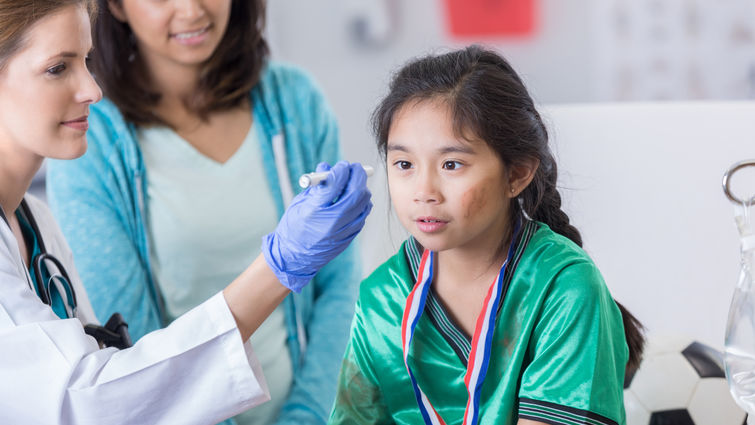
x=490 y=17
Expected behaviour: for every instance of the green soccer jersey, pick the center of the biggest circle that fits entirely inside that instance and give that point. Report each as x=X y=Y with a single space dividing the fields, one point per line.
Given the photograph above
x=558 y=353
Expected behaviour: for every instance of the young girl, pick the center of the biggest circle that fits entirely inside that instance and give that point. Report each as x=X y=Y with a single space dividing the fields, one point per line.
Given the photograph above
x=490 y=313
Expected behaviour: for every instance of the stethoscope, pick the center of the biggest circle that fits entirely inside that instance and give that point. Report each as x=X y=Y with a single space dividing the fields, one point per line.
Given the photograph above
x=64 y=285
x=113 y=334
x=60 y=281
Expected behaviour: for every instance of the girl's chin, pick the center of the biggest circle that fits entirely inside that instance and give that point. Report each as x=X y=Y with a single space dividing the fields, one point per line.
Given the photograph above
x=430 y=243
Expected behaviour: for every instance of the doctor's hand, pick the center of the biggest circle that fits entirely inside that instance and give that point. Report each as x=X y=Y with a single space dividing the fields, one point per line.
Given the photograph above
x=318 y=225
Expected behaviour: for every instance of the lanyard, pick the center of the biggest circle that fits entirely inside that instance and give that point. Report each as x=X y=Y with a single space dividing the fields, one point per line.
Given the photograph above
x=479 y=356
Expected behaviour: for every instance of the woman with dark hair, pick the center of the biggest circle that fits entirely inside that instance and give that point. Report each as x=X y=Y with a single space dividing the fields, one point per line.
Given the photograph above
x=54 y=366
x=199 y=130
x=472 y=179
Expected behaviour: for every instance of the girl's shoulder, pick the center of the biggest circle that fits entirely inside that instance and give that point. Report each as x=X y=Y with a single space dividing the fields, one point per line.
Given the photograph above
x=558 y=264
x=544 y=242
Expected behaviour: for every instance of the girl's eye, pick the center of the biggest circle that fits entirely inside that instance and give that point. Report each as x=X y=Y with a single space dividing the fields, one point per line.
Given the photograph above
x=403 y=165
x=57 y=69
x=452 y=165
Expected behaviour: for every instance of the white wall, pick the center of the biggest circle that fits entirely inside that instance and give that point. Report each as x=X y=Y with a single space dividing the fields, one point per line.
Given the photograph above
x=642 y=181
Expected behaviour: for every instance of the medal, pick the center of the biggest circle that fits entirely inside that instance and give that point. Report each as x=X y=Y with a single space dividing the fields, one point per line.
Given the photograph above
x=479 y=356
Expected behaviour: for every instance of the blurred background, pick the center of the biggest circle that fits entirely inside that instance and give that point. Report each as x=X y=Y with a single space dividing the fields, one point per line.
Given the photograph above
x=566 y=50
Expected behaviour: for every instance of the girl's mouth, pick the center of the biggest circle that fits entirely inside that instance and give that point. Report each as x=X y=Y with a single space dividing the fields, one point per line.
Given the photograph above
x=430 y=224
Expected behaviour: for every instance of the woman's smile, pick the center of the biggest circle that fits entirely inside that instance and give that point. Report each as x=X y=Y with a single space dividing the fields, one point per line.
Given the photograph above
x=192 y=37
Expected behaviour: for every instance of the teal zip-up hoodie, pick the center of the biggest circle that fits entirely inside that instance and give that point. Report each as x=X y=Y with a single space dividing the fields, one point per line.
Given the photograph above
x=100 y=204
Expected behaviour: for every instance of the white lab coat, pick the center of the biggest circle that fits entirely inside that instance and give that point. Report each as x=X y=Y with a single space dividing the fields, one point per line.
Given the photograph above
x=195 y=371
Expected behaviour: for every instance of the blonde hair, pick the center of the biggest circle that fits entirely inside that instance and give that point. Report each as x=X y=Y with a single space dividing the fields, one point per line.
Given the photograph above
x=17 y=16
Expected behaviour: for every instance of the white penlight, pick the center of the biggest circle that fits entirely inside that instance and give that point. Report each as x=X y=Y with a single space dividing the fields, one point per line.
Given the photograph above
x=311 y=179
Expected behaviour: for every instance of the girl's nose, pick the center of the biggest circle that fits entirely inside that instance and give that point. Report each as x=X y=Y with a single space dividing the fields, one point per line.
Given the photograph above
x=426 y=188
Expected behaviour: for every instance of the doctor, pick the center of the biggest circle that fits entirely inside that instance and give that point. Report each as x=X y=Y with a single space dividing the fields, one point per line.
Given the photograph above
x=200 y=369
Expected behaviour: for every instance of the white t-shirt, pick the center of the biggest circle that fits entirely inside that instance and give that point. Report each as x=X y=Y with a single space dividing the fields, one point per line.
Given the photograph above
x=205 y=222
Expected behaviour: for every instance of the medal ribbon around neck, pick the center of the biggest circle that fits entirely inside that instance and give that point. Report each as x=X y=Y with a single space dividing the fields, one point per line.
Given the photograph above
x=479 y=356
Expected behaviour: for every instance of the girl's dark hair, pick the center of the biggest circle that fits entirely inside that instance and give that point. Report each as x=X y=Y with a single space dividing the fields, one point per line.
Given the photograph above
x=225 y=79
x=488 y=101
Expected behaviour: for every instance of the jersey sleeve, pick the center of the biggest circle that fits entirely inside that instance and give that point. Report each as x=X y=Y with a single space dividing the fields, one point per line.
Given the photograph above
x=577 y=353
x=358 y=398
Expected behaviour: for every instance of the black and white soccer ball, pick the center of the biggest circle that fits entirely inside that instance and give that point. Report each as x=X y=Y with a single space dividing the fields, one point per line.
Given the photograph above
x=680 y=382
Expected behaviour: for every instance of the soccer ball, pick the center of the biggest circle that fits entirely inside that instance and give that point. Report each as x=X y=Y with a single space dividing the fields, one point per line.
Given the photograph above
x=680 y=382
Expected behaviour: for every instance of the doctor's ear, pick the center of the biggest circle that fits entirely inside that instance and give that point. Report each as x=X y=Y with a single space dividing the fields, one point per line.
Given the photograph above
x=521 y=174
x=116 y=8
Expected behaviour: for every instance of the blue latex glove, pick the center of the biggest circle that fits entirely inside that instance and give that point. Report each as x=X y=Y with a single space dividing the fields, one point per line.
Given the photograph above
x=318 y=225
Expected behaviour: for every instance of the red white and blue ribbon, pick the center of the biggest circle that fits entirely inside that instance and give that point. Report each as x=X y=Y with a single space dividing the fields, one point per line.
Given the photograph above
x=479 y=356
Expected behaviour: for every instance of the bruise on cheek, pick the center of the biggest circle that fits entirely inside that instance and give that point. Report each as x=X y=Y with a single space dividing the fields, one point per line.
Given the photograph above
x=473 y=200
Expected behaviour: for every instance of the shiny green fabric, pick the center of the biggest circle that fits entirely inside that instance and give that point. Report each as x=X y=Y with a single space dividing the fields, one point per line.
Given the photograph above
x=558 y=338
